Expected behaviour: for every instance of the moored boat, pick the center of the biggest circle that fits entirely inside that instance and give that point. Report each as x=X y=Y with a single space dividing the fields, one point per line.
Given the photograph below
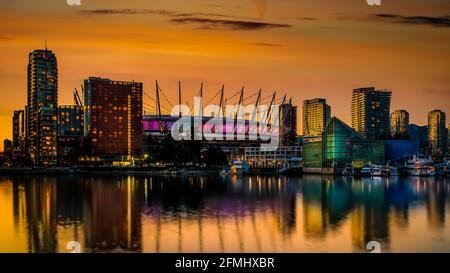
x=420 y=166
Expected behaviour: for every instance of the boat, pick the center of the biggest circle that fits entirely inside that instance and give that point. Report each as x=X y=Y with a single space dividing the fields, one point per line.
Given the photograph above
x=389 y=170
x=420 y=166
x=240 y=167
x=366 y=170
x=376 y=171
x=447 y=167
x=393 y=171
x=348 y=171
x=292 y=165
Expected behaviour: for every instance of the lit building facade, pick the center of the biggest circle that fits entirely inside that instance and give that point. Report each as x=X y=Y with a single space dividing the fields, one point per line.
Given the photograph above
x=18 y=122
x=42 y=103
x=260 y=158
x=288 y=124
x=399 y=123
x=70 y=132
x=70 y=120
x=316 y=114
x=437 y=132
x=113 y=117
x=371 y=112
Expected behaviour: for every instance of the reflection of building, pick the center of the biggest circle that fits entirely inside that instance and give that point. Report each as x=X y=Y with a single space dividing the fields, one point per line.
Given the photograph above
x=316 y=114
x=288 y=124
x=42 y=103
x=113 y=220
x=369 y=221
x=340 y=145
x=39 y=207
x=399 y=123
x=436 y=206
x=370 y=112
x=113 y=117
x=326 y=204
x=437 y=133
x=19 y=130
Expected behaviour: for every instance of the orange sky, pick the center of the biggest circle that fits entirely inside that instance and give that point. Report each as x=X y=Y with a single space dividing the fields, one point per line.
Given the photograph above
x=305 y=48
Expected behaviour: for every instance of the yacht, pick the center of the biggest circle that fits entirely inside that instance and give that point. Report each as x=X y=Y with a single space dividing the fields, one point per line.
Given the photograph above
x=292 y=165
x=376 y=171
x=240 y=167
x=366 y=170
x=420 y=166
x=447 y=167
x=389 y=170
x=348 y=171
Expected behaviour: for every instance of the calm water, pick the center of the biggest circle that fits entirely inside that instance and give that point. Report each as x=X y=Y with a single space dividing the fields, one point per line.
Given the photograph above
x=215 y=214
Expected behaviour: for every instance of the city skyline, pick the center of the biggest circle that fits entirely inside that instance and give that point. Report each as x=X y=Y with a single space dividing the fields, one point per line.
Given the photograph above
x=146 y=42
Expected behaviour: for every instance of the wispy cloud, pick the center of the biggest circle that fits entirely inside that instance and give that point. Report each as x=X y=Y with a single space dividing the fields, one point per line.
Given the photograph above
x=126 y=11
x=307 y=19
x=203 y=20
x=208 y=23
x=441 y=21
x=267 y=44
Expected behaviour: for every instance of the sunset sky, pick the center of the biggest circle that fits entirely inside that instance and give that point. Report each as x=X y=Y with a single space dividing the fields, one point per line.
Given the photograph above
x=304 y=48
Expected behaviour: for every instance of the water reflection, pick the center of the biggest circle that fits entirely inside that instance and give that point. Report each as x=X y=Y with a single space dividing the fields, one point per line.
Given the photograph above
x=223 y=214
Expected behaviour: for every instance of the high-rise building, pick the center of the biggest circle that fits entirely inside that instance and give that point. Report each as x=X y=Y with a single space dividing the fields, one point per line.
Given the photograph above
x=437 y=133
x=370 y=112
x=42 y=106
x=399 y=122
x=8 y=146
x=288 y=124
x=70 y=120
x=448 y=139
x=18 y=121
x=420 y=133
x=316 y=114
x=113 y=117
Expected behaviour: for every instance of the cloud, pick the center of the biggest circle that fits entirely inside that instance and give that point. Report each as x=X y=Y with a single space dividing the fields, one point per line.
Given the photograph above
x=208 y=23
x=125 y=11
x=170 y=13
x=204 y=20
x=443 y=21
x=307 y=19
x=267 y=44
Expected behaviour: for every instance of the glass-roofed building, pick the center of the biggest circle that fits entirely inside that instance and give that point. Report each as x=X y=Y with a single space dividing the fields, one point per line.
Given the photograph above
x=340 y=145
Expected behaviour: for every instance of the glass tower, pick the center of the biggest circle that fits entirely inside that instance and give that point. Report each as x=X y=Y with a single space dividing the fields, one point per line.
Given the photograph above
x=399 y=123
x=437 y=133
x=316 y=114
x=371 y=112
x=42 y=104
